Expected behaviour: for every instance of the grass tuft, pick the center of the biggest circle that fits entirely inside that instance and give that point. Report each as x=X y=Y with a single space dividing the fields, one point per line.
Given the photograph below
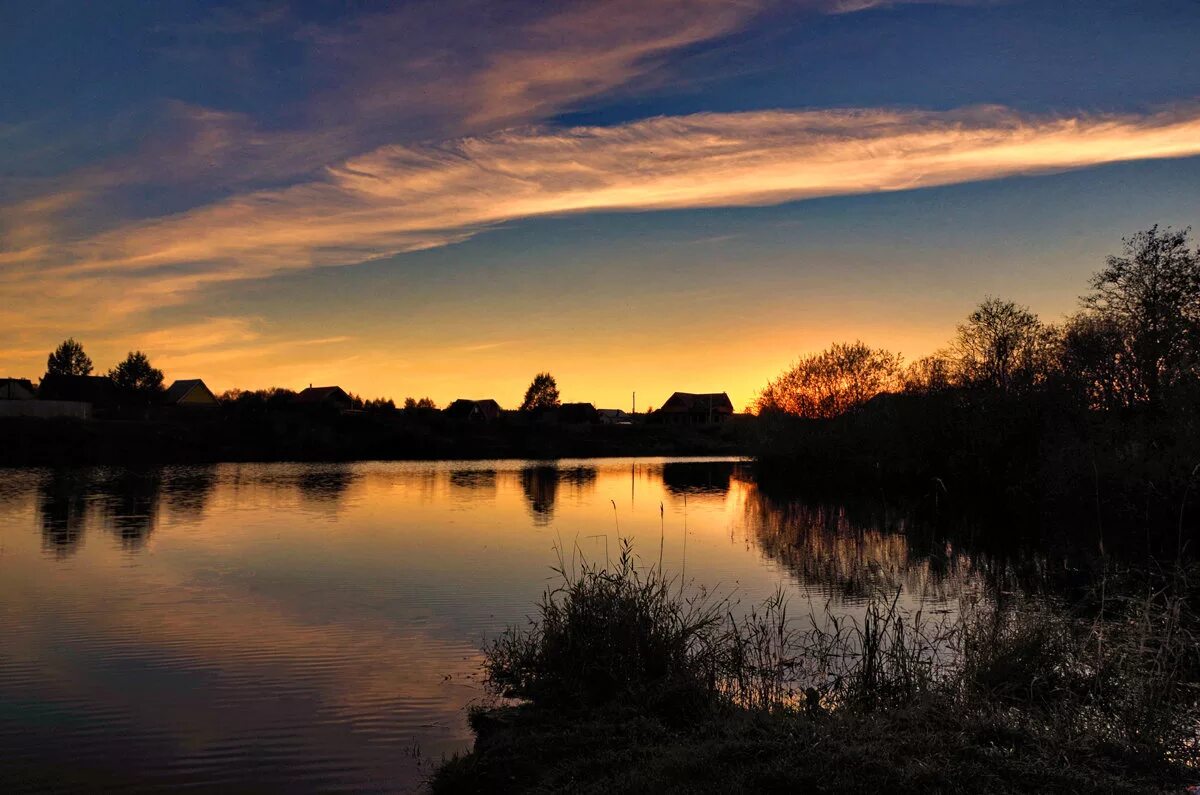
x=624 y=683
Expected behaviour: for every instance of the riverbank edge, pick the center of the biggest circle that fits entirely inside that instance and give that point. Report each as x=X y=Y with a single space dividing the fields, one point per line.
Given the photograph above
x=933 y=745
x=66 y=442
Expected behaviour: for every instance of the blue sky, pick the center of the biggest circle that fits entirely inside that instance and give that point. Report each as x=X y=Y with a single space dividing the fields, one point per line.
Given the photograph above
x=444 y=198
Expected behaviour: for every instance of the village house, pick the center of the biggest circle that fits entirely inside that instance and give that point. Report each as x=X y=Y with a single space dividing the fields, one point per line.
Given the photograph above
x=74 y=396
x=686 y=408
x=190 y=393
x=575 y=414
x=97 y=390
x=323 y=396
x=486 y=410
x=16 y=389
x=614 y=417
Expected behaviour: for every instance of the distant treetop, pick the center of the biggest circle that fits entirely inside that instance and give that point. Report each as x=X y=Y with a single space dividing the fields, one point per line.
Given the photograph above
x=69 y=359
x=541 y=394
x=411 y=404
x=136 y=376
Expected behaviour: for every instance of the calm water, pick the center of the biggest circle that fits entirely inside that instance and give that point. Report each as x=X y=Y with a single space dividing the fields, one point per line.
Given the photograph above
x=316 y=627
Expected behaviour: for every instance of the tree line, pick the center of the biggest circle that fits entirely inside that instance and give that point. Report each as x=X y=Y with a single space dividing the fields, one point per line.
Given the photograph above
x=134 y=374
x=1133 y=343
x=138 y=378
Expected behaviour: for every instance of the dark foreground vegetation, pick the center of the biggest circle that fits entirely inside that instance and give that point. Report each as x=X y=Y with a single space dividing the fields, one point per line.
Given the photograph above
x=1088 y=427
x=624 y=682
x=234 y=433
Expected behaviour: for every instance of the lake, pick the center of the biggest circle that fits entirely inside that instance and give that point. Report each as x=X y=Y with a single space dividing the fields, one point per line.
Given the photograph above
x=316 y=627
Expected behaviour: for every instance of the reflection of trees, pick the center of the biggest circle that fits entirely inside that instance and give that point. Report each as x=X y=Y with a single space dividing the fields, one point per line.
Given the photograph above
x=62 y=510
x=324 y=483
x=833 y=550
x=130 y=501
x=473 y=480
x=697 y=477
x=541 y=490
x=580 y=479
x=856 y=548
x=186 y=490
x=541 y=484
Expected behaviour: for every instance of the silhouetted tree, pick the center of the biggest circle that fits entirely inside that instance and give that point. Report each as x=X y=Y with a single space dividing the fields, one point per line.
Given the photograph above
x=412 y=404
x=69 y=359
x=1095 y=363
x=929 y=374
x=1003 y=346
x=258 y=399
x=380 y=405
x=541 y=394
x=137 y=377
x=832 y=382
x=1151 y=295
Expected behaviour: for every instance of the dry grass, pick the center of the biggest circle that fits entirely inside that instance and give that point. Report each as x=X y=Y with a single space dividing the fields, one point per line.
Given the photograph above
x=1031 y=696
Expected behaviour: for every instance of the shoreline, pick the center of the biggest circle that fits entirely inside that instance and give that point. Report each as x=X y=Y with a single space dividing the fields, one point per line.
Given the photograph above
x=299 y=438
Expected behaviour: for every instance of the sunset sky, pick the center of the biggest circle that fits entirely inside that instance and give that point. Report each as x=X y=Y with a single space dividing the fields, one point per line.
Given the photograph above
x=444 y=198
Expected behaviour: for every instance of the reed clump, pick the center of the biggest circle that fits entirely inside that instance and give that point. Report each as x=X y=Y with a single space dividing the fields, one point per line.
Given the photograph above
x=624 y=681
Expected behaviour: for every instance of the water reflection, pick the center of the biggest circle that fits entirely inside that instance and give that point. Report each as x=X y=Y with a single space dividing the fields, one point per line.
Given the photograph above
x=252 y=625
x=473 y=482
x=859 y=549
x=62 y=510
x=325 y=484
x=707 y=479
x=541 y=484
x=187 y=490
x=129 y=502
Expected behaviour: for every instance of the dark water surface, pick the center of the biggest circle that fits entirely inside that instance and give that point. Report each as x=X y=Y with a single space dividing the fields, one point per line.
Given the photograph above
x=298 y=628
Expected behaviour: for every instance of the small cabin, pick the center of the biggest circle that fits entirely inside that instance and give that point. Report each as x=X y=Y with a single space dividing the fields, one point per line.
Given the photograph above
x=614 y=417
x=486 y=410
x=190 y=393
x=687 y=408
x=576 y=414
x=98 y=390
x=16 y=389
x=323 y=396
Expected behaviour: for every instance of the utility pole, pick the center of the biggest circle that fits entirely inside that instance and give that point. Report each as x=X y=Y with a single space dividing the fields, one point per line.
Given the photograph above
x=635 y=402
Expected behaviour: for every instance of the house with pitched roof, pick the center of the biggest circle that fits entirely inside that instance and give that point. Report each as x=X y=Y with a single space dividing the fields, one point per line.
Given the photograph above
x=190 y=393
x=486 y=410
x=323 y=397
x=16 y=389
x=688 y=408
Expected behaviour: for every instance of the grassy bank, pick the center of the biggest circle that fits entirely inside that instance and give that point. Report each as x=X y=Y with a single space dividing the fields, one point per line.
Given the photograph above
x=622 y=683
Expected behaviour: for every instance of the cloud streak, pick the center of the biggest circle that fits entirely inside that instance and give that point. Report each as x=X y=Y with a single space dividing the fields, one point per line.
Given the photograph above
x=400 y=199
x=410 y=72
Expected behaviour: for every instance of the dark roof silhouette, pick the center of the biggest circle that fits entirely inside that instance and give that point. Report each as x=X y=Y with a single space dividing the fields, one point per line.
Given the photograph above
x=178 y=391
x=16 y=389
x=316 y=395
x=486 y=409
x=98 y=390
x=698 y=403
x=577 y=413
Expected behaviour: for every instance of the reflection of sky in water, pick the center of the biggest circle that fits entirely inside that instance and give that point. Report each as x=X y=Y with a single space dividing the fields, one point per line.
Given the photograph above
x=300 y=626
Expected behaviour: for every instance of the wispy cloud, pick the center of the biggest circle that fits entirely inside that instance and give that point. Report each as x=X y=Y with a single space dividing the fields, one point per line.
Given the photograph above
x=410 y=72
x=484 y=346
x=324 y=183
x=401 y=198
